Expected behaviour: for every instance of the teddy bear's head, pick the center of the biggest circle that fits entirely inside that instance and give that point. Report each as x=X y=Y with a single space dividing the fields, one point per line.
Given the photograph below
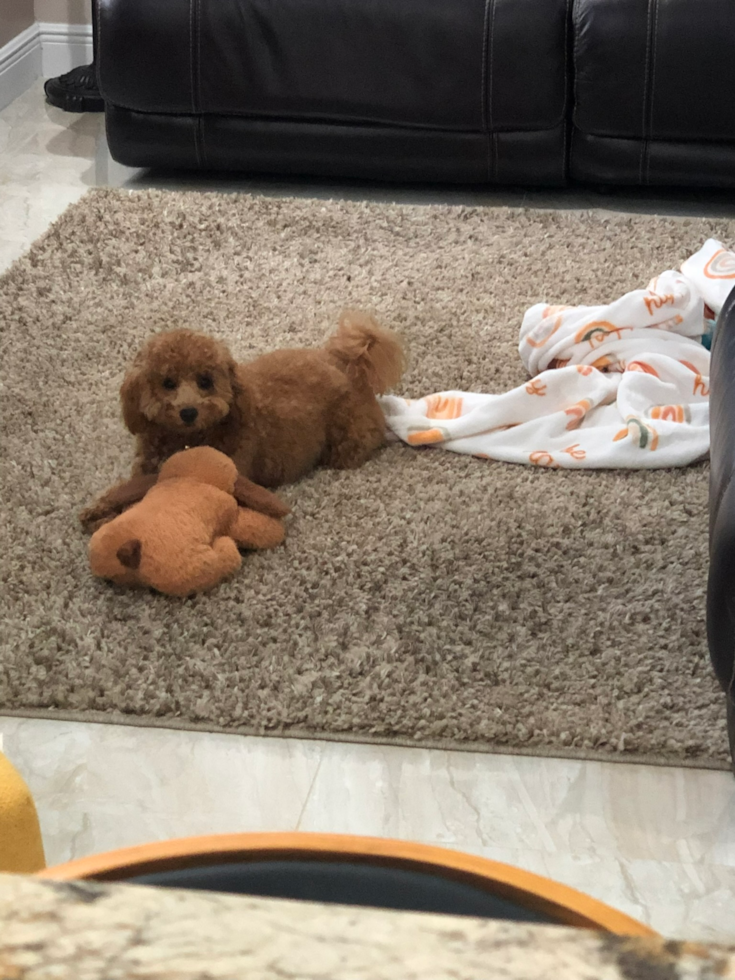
x=204 y=464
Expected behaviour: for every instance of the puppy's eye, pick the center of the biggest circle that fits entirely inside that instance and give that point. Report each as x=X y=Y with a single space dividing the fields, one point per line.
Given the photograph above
x=169 y=384
x=205 y=382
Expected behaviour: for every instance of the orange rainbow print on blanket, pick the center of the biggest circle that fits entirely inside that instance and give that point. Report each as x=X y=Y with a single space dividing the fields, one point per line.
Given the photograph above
x=642 y=366
x=700 y=385
x=577 y=413
x=542 y=458
x=671 y=413
x=575 y=451
x=536 y=388
x=541 y=335
x=655 y=301
x=425 y=437
x=646 y=435
x=598 y=332
x=443 y=407
x=721 y=265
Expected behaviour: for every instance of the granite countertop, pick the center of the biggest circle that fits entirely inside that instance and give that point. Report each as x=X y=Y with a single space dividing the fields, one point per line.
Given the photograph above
x=82 y=931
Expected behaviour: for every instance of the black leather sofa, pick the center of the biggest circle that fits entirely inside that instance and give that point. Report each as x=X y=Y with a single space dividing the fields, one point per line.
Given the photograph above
x=529 y=92
x=721 y=588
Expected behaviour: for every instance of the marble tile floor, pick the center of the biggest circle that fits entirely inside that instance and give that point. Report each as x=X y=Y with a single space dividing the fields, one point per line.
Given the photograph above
x=658 y=843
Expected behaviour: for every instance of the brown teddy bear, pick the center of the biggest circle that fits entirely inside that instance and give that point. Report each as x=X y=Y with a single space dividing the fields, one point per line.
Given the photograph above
x=183 y=536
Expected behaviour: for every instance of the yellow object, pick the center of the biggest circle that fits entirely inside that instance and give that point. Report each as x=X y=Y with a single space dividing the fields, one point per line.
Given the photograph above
x=21 y=847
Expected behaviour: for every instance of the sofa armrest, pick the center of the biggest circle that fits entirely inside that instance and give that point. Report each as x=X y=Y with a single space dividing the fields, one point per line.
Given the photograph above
x=721 y=586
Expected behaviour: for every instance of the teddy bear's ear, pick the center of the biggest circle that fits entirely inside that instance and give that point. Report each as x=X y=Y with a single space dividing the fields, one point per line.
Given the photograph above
x=130 y=395
x=128 y=554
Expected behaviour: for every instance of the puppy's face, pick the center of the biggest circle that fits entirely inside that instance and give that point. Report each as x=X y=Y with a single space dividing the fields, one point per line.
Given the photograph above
x=182 y=382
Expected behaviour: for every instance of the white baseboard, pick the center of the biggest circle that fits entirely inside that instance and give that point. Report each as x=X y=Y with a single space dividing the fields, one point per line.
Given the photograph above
x=20 y=64
x=42 y=50
x=63 y=47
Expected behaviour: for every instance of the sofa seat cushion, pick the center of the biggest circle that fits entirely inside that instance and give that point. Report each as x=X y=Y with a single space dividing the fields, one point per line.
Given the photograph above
x=655 y=69
x=451 y=65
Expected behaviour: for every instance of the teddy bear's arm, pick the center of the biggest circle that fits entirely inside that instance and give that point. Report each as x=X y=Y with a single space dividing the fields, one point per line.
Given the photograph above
x=115 y=500
x=249 y=494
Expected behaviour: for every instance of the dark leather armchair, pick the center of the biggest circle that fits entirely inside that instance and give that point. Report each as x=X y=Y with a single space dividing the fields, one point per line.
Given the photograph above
x=721 y=589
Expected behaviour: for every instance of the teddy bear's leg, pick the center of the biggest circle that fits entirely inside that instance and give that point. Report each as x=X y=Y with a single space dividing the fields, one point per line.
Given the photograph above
x=253 y=530
x=222 y=560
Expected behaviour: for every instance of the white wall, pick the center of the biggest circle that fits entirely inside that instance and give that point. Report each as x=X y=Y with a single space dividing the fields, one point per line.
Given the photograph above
x=15 y=17
x=63 y=11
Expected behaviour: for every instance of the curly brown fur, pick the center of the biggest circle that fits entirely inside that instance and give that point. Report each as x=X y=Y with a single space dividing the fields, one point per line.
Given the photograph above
x=182 y=390
x=278 y=416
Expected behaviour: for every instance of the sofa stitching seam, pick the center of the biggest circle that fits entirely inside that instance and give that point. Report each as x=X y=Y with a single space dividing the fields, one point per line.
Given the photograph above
x=644 y=141
x=567 y=29
x=654 y=35
x=483 y=76
x=493 y=142
x=483 y=88
x=97 y=51
x=192 y=82
x=200 y=122
x=575 y=79
x=310 y=120
x=191 y=56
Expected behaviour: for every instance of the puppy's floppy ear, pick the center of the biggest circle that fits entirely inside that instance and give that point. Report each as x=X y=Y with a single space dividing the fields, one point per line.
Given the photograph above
x=240 y=406
x=235 y=382
x=130 y=394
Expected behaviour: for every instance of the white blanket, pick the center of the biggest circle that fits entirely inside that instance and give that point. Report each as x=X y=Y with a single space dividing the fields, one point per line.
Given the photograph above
x=624 y=385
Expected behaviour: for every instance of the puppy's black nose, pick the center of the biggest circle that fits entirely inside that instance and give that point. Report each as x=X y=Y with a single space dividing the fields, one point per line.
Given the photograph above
x=188 y=415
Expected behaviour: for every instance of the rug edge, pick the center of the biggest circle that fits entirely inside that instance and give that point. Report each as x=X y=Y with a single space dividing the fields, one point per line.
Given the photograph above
x=446 y=745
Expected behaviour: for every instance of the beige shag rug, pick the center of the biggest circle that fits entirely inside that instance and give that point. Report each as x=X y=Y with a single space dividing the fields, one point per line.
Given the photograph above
x=428 y=598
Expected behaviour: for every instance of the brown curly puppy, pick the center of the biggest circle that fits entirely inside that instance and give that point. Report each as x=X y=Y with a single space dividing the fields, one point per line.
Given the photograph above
x=278 y=416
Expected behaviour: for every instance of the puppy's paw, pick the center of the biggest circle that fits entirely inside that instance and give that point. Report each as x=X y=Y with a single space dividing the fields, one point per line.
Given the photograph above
x=115 y=501
x=93 y=517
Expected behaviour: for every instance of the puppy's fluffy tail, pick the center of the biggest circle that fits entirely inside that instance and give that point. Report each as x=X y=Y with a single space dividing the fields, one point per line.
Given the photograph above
x=365 y=351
